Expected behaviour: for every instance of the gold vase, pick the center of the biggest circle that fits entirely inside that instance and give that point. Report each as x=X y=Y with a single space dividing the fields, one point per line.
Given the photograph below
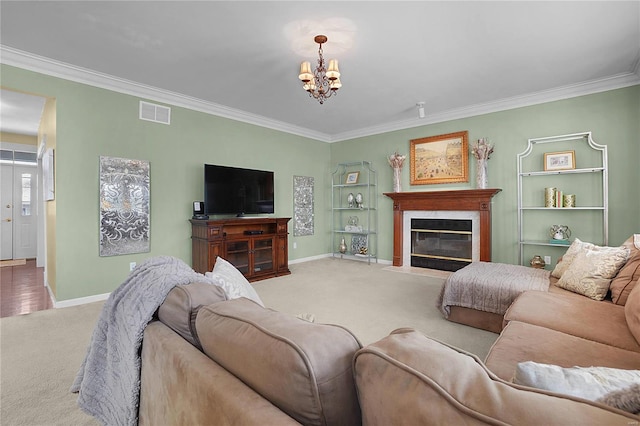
x=537 y=262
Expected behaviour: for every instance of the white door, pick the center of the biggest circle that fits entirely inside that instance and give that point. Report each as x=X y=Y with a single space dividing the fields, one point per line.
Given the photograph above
x=19 y=211
x=6 y=209
x=25 y=212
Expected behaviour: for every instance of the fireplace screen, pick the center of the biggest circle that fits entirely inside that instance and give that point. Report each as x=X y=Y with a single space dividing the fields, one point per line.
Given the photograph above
x=443 y=244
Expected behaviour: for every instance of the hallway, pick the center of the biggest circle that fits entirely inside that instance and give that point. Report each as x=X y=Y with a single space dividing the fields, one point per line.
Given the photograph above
x=22 y=290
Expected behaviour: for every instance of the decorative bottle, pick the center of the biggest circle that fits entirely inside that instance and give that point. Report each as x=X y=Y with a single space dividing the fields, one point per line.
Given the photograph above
x=342 y=248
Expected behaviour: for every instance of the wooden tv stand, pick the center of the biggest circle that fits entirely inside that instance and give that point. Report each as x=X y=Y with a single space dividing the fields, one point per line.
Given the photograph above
x=258 y=247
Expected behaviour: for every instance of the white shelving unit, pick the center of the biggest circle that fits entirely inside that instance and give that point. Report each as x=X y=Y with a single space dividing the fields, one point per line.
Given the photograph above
x=365 y=232
x=588 y=181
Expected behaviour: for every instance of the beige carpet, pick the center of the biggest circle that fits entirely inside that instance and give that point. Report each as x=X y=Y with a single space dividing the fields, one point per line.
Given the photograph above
x=41 y=352
x=370 y=300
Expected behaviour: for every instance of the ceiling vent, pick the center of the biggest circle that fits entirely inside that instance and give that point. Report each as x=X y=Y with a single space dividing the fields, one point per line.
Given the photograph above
x=155 y=113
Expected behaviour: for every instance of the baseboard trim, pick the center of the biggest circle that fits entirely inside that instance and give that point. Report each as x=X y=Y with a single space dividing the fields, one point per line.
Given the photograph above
x=308 y=259
x=79 y=300
x=323 y=256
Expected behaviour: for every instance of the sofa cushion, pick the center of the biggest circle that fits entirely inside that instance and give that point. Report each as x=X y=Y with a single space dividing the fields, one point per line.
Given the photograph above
x=235 y=284
x=407 y=378
x=590 y=383
x=568 y=313
x=179 y=309
x=632 y=312
x=591 y=271
x=179 y=385
x=526 y=342
x=303 y=368
x=629 y=274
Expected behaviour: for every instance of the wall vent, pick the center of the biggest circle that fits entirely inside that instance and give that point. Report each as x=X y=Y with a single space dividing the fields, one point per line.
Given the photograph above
x=154 y=112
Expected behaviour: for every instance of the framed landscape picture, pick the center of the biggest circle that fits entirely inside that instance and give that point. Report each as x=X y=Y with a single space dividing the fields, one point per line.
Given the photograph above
x=440 y=159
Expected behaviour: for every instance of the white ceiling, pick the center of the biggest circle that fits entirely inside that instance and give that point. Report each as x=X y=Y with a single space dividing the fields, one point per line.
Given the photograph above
x=20 y=112
x=238 y=59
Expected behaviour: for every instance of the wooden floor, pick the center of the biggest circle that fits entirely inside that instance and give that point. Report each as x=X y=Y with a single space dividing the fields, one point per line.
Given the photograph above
x=22 y=290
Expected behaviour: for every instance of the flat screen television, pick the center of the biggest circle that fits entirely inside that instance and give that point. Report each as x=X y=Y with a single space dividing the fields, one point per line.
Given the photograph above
x=233 y=190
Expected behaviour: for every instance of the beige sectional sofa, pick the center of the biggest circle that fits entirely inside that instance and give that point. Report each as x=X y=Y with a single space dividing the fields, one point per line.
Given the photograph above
x=235 y=362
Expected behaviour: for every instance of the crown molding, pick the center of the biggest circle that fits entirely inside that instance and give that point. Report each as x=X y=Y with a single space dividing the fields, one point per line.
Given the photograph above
x=43 y=65
x=586 y=88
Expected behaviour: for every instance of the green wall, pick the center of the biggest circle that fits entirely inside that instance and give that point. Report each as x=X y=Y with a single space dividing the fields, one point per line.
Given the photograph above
x=613 y=117
x=93 y=122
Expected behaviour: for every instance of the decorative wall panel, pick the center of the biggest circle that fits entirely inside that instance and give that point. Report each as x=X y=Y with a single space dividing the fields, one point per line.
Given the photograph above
x=124 y=206
x=302 y=205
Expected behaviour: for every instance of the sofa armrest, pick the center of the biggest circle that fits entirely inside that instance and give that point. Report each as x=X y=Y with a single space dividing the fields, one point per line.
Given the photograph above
x=181 y=385
x=407 y=378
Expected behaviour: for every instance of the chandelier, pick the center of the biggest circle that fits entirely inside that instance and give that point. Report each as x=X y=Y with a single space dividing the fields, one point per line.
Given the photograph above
x=323 y=82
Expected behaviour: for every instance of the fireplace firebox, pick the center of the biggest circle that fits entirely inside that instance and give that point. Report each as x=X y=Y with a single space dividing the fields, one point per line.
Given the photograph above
x=477 y=201
x=444 y=244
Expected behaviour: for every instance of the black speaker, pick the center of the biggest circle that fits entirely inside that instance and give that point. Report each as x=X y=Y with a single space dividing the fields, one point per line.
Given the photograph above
x=198 y=210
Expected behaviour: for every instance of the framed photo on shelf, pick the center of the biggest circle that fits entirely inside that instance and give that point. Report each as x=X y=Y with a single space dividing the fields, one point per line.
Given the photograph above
x=561 y=160
x=352 y=177
x=440 y=159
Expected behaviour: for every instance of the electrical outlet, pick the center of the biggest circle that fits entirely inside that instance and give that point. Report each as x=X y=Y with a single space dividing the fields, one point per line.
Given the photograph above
x=547 y=260
x=132 y=265
x=295 y=245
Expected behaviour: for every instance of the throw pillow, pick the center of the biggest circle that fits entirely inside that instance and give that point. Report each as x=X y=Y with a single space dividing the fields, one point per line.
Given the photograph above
x=583 y=382
x=226 y=275
x=591 y=271
x=576 y=247
x=627 y=399
x=628 y=276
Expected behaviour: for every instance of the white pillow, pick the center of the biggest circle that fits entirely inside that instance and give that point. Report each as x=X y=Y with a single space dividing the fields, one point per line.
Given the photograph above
x=235 y=285
x=576 y=247
x=591 y=271
x=583 y=382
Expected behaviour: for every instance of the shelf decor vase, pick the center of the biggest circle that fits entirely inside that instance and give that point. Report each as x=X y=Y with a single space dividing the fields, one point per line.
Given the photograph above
x=482 y=179
x=482 y=151
x=342 y=248
x=396 y=161
x=537 y=262
x=397 y=179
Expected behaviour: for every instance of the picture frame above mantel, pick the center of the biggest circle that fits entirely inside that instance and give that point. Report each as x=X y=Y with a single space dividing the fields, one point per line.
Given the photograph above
x=440 y=159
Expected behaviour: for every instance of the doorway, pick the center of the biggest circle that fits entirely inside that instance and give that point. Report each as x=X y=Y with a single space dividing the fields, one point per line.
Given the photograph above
x=18 y=204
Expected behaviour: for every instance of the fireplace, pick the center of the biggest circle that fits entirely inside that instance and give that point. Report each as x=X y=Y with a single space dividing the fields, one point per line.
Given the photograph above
x=467 y=204
x=444 y=244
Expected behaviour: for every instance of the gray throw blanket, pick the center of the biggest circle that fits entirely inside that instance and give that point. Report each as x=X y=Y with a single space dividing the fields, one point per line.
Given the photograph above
x=489 y=287
x=109 y=379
